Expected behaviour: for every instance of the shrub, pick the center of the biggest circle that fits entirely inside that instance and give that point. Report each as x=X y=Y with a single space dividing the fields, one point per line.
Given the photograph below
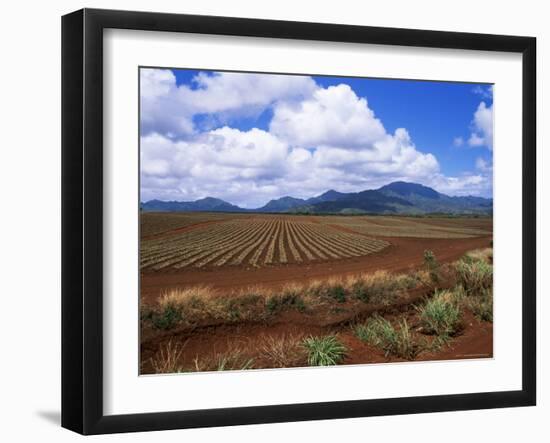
x=146 y=313
x=441 y=314
x=380 y=287
x=337 y=292
x=379 y=332
x=286 y=300
x=482 y=305
x=184 y=305
x=429 y=259
x=432 y=266
x=475 y=276
x=241 y=307
x=198 y=303
x=332 y=289
x=167 y=318
x=324 y=351
x=480 y=254
x=360 y=291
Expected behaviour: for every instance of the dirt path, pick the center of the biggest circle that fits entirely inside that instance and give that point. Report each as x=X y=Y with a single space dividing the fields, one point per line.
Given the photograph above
x=404 y=254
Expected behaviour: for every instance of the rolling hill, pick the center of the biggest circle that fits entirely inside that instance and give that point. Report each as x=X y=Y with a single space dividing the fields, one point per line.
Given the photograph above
x=394 y=198
x=208 y=204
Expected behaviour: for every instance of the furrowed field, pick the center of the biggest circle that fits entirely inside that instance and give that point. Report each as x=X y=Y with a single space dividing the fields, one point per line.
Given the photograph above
x=176 y=241
x=255 y=242
x=242 y=291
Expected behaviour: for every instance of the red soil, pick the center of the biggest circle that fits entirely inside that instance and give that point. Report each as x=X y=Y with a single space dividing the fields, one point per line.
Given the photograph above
x=475 y=340
x=402 y=255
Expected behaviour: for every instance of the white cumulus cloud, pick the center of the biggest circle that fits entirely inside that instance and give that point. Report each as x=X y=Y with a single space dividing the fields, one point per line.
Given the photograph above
x=465 y=184
x=482 y=125
x=169 y=109
x=251 y=167
x=334 y=116
x=318 y=139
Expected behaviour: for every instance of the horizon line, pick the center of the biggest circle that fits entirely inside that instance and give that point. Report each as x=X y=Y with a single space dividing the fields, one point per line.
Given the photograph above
x=298 y=198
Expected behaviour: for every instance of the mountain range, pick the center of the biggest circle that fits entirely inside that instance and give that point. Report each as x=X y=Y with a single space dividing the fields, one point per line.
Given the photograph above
x=394 y=198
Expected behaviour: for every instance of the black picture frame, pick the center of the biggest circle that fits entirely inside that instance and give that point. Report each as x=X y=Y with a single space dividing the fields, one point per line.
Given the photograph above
x=82 y=218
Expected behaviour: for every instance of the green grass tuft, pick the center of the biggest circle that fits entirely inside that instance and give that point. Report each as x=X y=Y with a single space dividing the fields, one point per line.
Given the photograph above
x=379 y=332
x=324 y=351
x=482 y=305
x=441 y=314
x=475 y=276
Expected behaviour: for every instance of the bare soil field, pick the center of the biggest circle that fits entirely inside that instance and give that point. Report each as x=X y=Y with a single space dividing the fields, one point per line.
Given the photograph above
x=247 y=262
x=403 y=254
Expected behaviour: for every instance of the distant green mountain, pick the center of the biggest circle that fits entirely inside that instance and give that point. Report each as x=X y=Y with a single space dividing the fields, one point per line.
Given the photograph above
x=330 y=195
x=394 y=198
x=427 y=200
x=208 y=204
x=282 y=204
x=285 y=204
x=358 y=202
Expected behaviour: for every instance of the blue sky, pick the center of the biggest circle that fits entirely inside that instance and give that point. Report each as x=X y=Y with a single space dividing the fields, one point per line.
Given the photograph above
x=248 y=138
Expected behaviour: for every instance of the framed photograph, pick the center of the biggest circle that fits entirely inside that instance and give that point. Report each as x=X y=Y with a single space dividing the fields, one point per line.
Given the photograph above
x=269 y=221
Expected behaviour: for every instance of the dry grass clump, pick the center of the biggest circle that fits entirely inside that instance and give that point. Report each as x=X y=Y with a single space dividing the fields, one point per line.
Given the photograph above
x=185 y=306
x=423 y=277
x=197 y=304
x=195 y=301
x=284 y=351
x=233 y=359
x=485 y=254
x=166 y=359
x=247 y=305
x=381 y=287
x=290 y=297
x=332 y=289
x=475 y=276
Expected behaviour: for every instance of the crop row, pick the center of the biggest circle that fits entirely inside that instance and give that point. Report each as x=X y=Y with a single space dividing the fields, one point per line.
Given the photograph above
x=254 y=243
x=403 y=227
x=156 y=224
